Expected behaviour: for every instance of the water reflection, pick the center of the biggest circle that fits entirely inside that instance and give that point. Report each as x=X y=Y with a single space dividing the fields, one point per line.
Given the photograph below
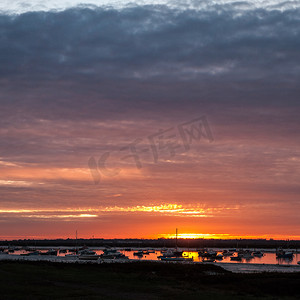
x=267 y=258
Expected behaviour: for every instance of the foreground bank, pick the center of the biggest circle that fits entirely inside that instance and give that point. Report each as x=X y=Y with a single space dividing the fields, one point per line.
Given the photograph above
x=140 y=280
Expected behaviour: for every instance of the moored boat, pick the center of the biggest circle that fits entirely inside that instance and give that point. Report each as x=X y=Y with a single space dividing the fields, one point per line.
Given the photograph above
x=50 y=252
x=227 y=253
x=176 y=259
x=219 y=256
x=88 y=256
x=211 y=259
x=170 y=253
x=86 y=252
x=247 y=255
x=138 y=253
x=236 y=258
x=284 y=254
x=34 y=253
x=112 y=254
x=258 y=254
x=208 y=254
x=71 y=256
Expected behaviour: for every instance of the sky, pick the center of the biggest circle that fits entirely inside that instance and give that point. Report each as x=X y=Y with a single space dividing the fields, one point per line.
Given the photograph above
x=130 y=119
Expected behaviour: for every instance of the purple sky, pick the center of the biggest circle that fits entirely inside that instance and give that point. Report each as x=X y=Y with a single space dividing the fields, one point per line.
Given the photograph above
x=81 y=82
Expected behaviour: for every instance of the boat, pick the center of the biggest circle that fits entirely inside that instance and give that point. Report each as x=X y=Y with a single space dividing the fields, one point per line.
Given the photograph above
x=88 y=256
x=171 y=253
x=34 y=253
x=86 y=252
x=208 y=254
x=247 y=255
x=176 y=252
x=211 y=259
x=50 y=252
x=71 y=255
x=201 y=250
x=30 y=249
x=112 y=254
x=176 y=259
x=138 y=253
x=258 y=254
x=284 y=254
x=236 y=258
x=227 y=253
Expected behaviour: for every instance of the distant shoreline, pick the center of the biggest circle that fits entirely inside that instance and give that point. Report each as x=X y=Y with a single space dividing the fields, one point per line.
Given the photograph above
x=168 y=243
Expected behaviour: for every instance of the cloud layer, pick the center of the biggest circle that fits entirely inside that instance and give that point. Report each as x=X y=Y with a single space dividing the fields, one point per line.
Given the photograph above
x=84 y=81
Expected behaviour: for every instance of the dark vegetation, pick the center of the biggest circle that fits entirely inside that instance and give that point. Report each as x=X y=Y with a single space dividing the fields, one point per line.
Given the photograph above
x=140 y=280
x=185 y=243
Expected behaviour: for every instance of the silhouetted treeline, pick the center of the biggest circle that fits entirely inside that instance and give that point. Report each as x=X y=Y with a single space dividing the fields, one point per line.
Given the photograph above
x=152 y=243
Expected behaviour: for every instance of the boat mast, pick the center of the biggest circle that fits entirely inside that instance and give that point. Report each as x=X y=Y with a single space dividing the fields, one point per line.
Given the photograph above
x=76 y=243
x=176 y=238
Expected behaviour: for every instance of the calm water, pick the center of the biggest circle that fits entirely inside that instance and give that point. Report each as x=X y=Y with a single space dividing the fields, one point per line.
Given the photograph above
x=268 y=258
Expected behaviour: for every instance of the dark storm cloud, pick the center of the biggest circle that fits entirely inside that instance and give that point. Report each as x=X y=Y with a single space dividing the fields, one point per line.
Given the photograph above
x=107 y=64
x=149 y=42
x=137 y=63
x=80 y=82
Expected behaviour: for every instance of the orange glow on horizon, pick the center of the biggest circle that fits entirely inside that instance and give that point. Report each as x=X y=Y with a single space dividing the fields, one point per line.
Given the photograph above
x=224 y=236
x=168 y=215
x=203 y=236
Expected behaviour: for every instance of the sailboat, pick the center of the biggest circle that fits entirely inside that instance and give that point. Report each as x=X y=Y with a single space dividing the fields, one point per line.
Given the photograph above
x=176 y=252
x=171 y=253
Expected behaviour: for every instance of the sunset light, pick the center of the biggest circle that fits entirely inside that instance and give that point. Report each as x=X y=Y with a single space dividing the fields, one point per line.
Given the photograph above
x=137 y=118
x=149 y=149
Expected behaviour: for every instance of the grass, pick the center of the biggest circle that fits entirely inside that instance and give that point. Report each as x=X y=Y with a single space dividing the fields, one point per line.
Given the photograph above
x=140 y=280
